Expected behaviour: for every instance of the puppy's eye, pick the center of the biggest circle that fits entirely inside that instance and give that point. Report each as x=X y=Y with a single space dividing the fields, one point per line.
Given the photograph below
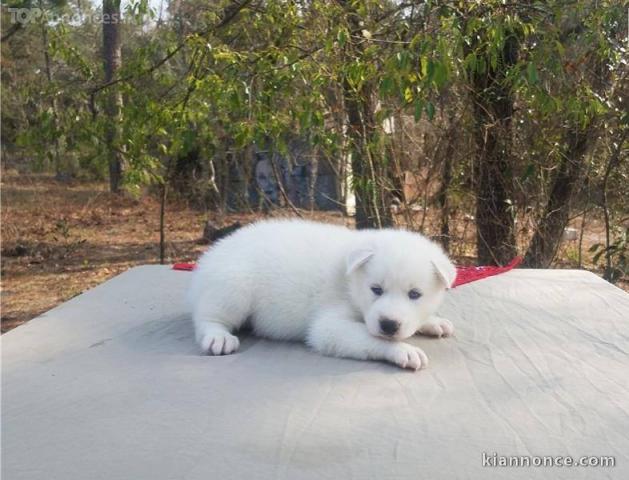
x=377 y=290
x=414 y=294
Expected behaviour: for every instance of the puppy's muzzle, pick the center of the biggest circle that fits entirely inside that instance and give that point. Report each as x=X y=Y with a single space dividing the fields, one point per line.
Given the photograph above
x=389 y=327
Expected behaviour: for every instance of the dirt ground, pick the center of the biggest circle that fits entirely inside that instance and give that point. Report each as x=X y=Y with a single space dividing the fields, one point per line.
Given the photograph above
x=60 y=239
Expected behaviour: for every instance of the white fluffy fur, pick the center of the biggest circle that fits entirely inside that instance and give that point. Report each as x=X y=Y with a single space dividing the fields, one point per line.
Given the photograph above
x=298 y=280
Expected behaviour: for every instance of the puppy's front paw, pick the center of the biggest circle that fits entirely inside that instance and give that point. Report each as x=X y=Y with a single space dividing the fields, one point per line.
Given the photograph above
x=407 y=356
x=438 y=327
x=219 y=343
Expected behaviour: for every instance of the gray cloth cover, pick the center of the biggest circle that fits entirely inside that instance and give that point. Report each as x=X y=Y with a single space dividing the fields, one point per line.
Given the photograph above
x=110 y=385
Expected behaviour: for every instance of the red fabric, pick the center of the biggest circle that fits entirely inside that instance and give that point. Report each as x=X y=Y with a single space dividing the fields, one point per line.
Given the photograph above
x=471 y=274
x=463 y=274
x=184 y=266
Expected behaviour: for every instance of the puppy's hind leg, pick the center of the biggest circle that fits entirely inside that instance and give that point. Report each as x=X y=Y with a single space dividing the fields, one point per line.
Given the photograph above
x=213 y=323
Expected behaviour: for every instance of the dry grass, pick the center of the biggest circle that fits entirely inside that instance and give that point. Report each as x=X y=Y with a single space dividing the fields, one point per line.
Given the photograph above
x=60 y=239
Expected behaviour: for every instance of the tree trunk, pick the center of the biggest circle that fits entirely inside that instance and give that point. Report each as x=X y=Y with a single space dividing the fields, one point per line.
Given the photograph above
x=62 y=170
x=613 y=163
x=371 y=206
x=446 y=181
x=442 y=196
x=493 y=109
x=370 y=175
x=547 y=237
x=112 y=60
x=162 y=223
x=578 y=140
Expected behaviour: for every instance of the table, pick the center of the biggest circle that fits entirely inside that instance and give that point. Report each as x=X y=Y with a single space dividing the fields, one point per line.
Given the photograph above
x=110 y=385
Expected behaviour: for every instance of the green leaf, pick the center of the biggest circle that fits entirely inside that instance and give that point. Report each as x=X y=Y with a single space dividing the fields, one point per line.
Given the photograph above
x=423 y=62
x=408 y=95
x=530 y=169
x=341 y=37
x=430 y=110
x=386 y=85
x=470 y=62
x=419 y=106
x=441 y=75
x=531 y=73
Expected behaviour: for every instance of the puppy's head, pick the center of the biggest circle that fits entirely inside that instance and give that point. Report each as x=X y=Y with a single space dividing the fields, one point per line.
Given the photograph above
x=397 y=279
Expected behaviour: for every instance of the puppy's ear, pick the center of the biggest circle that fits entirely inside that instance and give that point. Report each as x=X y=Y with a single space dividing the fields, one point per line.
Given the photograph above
x=446 y=272
x=357 y=258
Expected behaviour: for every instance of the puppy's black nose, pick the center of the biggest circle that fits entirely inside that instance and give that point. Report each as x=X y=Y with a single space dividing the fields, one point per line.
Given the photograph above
x=389 y=327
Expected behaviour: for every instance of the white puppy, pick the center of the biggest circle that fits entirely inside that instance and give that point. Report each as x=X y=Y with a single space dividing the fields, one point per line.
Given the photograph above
x=347 y=293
